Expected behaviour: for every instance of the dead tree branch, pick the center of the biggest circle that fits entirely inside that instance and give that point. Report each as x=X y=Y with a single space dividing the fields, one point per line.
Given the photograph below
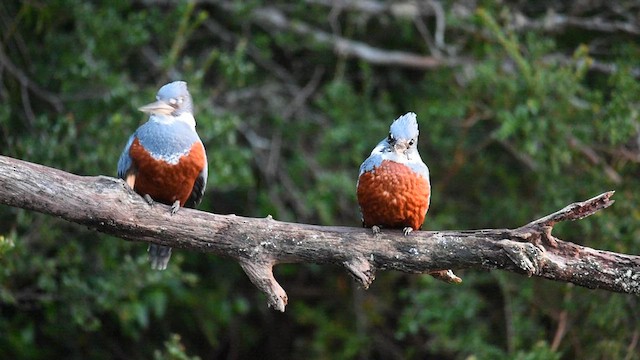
x=554 y=22
x=275 y=20
x=109 y=206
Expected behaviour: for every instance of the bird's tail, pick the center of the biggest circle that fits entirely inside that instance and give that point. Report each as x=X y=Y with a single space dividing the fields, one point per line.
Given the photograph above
x=159 y=256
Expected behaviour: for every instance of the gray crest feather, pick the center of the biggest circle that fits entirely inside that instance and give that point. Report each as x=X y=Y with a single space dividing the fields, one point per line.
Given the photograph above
x=405 y=127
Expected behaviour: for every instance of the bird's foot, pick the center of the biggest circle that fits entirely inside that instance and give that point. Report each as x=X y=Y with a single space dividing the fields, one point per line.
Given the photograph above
x=148 y=199
x=175 y=207
x=375 y=229
x=406 y=231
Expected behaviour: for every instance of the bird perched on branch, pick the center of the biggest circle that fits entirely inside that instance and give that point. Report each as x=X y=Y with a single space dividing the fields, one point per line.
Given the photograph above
x=165 y=160
x=393 y=187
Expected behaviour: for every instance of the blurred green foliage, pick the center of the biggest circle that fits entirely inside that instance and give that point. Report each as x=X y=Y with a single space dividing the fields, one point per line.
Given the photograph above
x=530 y=120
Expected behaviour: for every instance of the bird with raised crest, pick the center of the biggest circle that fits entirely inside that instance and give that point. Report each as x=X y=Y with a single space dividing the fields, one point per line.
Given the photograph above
x=393 y=189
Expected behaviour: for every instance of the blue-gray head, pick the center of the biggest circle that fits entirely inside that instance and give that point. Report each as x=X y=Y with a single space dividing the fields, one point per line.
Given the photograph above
x=403 y=135
x=400 y=146
x=172 y=99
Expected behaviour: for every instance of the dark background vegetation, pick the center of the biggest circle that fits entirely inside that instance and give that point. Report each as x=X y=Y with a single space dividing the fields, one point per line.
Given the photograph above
x=523 y=106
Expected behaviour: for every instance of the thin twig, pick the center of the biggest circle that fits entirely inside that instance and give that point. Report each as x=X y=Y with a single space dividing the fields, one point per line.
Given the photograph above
x=25 y=81
x=631 y=349
x=440 y=22
x=554 y=22
x=274 y=19
x=561 y=329
x=594 y=65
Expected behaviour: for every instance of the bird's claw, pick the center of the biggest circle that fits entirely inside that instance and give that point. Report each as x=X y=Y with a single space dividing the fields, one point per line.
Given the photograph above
x=175 y=207
x=407 y=230
x=375 y=229
x=148 y=199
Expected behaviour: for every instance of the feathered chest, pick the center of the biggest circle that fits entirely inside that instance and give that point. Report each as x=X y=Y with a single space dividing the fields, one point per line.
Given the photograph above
x=393 y=195
x=167 y=142
x=168 y=159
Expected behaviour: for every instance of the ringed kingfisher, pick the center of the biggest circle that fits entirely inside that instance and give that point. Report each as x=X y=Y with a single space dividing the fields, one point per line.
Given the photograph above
x=165 y=160
x=393 y=186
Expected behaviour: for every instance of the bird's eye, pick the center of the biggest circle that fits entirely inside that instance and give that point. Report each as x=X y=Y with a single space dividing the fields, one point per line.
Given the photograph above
x=411 y=142
x=390 y=138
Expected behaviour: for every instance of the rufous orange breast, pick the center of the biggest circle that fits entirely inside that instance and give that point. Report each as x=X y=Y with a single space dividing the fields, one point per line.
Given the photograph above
x=163 y=181
x=392 y=195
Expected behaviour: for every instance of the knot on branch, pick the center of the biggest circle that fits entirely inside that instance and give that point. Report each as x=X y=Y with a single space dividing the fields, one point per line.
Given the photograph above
x=527 y=257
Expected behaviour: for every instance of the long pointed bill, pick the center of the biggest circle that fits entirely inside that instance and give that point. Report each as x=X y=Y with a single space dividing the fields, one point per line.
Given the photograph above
x=401 y=148
x=158 y=107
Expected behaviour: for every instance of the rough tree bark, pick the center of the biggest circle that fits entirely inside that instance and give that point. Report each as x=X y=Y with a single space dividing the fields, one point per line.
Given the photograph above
x=109 y=206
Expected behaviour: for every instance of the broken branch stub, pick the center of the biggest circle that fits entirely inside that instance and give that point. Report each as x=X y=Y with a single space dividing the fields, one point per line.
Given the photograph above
x=538 y=232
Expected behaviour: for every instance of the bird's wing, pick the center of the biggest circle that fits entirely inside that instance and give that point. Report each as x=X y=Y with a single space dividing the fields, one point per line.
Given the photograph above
x=197 y=192
x=374 y=160
x=125 y=163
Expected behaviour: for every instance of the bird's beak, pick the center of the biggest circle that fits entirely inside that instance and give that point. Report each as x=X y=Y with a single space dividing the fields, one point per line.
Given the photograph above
x=401 y=148
x=158 y=107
